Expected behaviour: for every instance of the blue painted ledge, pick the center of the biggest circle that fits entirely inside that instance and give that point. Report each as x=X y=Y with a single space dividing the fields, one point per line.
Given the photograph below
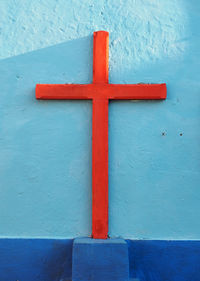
x=99 y=260
x=51 y=260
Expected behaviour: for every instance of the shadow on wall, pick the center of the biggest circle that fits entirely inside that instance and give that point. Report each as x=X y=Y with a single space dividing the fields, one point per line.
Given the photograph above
x=44 y=145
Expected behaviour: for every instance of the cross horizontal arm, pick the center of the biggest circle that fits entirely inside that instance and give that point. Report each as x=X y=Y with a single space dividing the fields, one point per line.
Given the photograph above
x=101 y=91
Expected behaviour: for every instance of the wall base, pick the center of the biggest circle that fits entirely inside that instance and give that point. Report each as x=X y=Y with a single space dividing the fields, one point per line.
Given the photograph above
x=51 y=260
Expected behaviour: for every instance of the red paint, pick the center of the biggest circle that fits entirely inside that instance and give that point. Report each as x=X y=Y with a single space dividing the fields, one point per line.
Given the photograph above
x=100 y=91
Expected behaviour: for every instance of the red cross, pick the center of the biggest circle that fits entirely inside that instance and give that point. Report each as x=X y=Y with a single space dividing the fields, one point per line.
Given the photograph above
x=100 y=92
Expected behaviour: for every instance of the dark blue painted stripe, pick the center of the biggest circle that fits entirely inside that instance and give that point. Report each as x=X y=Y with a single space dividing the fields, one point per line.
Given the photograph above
x=35 y=260
x=51 y=260
x=164 y=260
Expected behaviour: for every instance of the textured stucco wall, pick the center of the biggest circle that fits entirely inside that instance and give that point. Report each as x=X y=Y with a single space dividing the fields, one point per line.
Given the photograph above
x=45 y=146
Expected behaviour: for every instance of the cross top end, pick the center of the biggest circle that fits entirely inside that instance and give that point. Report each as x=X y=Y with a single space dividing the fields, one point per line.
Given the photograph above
x=100 y=31
x=100 y=57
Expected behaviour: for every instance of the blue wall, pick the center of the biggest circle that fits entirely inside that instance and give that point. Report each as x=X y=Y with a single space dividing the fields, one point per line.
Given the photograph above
x=45 y=146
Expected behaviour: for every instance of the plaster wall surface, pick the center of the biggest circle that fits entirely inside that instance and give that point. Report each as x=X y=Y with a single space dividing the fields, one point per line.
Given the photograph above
x=45 y=146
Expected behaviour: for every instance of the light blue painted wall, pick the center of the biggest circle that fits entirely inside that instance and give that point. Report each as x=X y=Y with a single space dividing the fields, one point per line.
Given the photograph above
x=45 y=146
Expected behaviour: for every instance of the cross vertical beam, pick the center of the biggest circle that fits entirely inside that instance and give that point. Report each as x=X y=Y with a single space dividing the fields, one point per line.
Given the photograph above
x=100 y=139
